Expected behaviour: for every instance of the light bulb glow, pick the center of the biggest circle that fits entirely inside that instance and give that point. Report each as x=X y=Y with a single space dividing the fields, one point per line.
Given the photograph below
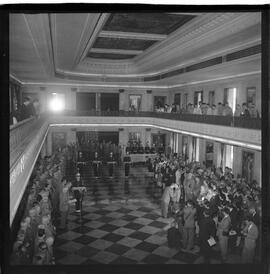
x=56 y=105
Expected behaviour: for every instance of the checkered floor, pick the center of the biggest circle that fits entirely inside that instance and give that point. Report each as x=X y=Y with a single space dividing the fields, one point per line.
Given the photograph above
x=120 y=223
x=118 y=233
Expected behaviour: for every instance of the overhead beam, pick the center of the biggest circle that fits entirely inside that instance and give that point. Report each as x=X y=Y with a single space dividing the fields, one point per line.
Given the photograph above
x=132 y=35
x=117 y=51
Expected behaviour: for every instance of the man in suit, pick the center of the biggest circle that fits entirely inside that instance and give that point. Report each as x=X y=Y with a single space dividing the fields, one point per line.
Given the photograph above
x=223 y=234
x=207 y=230
x=27 y=109
x=127 y=162
x=251 y=234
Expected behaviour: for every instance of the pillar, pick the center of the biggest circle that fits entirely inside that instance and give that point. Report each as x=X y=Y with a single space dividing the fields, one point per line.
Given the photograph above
x=43 y=150
x=98 y=101
x=122 y=99
x=49 y=143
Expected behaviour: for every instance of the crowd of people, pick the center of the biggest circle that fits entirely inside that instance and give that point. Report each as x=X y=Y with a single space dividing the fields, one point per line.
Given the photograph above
x=47 y=205
x=247 y=110
x=136 y=147
x=210 y=205
x=29 y=108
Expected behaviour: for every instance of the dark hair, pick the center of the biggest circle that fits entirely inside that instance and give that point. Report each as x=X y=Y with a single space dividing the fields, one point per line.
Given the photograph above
x=226 y=210
x=190 y=202
x=63 y=179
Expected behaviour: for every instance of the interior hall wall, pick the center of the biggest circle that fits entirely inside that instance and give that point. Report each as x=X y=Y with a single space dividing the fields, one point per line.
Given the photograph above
x=70 y=96
x=218 y=86
x=237 y=163
x=43 y=94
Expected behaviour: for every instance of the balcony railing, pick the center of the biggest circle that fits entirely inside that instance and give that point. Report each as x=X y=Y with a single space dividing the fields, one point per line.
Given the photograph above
x=19 y=133
x=241 y=122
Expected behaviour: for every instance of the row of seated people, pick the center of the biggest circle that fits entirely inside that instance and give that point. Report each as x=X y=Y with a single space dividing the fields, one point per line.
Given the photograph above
x=45 y=204
x=137 y=148
x=247 y=110
x=211 y=204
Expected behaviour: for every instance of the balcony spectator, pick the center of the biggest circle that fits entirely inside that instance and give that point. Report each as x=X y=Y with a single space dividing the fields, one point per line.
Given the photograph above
x=237 y=112
x=183 y=109
x=210 y=110
x=215 y=110
x=245 y=113
x=204 y=108
x=174 y=108
x=220 y=109
x=15 y=115
x=227 y=110
x=190 y=108
x=36 y=105
x=253 y=111
x=27 y=109
x=169 y=109
x=197 y=110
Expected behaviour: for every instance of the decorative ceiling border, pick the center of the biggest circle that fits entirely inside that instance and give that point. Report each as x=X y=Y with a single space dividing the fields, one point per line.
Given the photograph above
x=139 y=86
x=217 y=60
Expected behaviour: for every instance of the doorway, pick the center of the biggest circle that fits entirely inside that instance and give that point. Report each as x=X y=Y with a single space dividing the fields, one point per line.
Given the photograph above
x=85 y=101
x=211 y=98
x=230 y=97
x=198 y=97
x=248 y=165
x=159 y=101
x=177 y=100
x=185 y=101
x=209 y=154
x=109 y=101
x=159 y=141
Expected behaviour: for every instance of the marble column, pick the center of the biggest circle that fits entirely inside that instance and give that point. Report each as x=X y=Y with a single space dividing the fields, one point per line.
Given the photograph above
x=49 y=143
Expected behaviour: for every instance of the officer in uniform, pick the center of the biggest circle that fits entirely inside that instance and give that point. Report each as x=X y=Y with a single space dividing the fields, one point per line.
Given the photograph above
x=111 y=162
x=96 y=164
x=127 y=161
x=77 y=194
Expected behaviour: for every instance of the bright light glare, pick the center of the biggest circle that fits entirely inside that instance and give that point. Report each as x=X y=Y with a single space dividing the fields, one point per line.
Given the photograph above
x=56 y=105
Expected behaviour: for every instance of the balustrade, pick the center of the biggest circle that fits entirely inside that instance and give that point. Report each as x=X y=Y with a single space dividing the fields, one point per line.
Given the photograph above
x=242 y=122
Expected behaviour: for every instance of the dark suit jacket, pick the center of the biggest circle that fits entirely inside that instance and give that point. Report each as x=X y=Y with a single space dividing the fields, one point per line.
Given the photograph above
x=207 y=229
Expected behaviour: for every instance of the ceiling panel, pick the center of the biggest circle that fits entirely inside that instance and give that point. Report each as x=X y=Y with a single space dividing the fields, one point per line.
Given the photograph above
x=25 y=61
x=120 y=43
x=112 y=56
x=157 y=23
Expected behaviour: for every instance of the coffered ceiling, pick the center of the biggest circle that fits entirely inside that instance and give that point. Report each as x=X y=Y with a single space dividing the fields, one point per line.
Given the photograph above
x=130 y=47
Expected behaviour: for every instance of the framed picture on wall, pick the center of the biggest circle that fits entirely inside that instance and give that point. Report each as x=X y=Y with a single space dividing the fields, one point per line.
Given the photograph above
x=209 y=154
x=185 y=147
x=248 y=165
x=251 y=95
x=58 y=140
x=159 y=102
x=135 y=102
